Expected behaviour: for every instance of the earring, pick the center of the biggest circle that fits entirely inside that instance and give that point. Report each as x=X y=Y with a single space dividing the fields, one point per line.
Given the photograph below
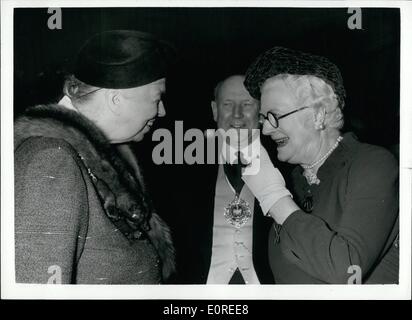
x=322 y=126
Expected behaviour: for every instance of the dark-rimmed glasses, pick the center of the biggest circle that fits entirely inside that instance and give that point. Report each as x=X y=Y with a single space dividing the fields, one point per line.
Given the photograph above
x=273 y=119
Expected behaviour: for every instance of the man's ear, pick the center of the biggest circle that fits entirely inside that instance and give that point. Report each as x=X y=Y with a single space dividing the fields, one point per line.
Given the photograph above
x=213 y=104
x=319 y=118
x=113 y=99
x=258 y=104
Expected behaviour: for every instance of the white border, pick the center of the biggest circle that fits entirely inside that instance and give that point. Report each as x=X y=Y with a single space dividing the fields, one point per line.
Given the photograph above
x=10 y=290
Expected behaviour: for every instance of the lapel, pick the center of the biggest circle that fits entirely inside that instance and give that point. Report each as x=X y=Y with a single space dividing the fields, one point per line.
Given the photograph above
x=207 y=212
x=261 y=227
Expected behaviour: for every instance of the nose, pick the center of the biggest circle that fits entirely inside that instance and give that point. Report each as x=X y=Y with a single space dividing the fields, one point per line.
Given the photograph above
x=237 y=111
x=267 y=128
x=161 y=111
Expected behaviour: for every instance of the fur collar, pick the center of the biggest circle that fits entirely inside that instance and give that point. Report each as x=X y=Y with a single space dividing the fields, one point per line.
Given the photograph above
x=118 y=182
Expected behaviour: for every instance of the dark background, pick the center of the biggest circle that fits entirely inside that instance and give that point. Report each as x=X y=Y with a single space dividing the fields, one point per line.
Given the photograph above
x=214 y=42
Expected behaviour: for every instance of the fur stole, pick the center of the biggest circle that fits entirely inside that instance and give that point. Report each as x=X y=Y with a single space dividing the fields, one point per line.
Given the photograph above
x=118 y=183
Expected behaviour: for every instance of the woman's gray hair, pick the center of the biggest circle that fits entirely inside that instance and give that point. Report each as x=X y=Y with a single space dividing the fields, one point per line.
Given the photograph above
x=313 y=91
x=76 y=90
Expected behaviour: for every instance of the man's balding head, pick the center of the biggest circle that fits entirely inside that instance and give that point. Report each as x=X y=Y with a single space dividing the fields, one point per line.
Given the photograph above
x=233 y=106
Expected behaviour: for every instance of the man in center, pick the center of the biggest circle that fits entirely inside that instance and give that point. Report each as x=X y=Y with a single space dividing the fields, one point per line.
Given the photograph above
x=217 y=248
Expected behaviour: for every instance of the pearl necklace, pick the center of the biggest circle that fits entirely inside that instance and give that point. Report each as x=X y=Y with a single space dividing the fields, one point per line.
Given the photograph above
x=308 y=173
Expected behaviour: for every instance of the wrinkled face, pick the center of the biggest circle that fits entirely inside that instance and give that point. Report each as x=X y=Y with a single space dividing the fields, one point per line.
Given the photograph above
x=296 y=137
x=234 y=107
x=137 y=110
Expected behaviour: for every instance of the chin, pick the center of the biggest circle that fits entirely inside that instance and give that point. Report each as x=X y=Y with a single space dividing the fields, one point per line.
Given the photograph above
x=140 y=134
x=280 y=158
x=283 y=156
x=138 y=138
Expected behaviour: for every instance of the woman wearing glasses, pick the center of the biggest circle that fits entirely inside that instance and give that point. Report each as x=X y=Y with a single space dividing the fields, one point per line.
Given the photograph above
x=341 y=225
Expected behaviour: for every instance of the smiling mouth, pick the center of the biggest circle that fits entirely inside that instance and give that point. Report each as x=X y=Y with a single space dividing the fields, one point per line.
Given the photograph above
x=281 y=142
x=237 y=126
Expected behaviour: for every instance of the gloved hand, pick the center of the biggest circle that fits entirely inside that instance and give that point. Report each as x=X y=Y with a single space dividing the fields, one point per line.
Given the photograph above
x=265 y=181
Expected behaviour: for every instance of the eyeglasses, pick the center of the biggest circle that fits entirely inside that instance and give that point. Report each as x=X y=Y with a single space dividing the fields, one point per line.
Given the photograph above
x=273 y=119
x=90 y=92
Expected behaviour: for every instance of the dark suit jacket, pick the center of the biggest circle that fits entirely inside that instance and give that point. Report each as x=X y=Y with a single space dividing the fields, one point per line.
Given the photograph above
x=192 y=226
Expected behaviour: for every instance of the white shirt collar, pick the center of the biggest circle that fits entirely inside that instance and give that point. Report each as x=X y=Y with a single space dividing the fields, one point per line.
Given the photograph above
x=67 y=103
x=229 y=153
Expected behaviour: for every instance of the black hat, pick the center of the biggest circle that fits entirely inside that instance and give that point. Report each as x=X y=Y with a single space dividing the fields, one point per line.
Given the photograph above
x=280 y=60
x=120 y=59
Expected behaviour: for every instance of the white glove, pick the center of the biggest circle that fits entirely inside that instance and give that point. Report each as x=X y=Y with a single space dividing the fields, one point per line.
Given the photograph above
x=265 y=181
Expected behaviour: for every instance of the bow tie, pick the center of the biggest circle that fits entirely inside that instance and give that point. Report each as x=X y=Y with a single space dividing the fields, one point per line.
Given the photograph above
x=239 y=160
x=234 y=172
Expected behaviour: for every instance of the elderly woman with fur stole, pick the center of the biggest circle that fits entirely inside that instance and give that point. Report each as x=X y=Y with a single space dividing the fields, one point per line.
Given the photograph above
x=82 y=214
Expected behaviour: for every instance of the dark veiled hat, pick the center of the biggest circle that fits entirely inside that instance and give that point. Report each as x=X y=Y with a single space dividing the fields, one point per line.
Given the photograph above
x=120 y=59
x=279 y=60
